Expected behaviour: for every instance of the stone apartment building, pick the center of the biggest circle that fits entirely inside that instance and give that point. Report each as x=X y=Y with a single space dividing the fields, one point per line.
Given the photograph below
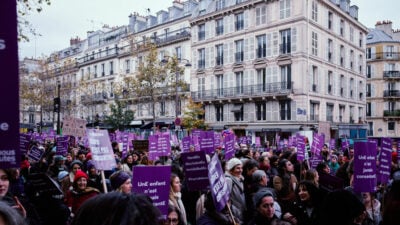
x=383 y=77
x=267 y=67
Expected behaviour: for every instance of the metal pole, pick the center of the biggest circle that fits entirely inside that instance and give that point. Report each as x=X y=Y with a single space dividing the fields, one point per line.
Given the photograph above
x=176 y=93
x=59 y=109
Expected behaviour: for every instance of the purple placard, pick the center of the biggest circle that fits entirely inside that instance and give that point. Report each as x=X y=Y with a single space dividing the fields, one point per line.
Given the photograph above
x=112 y=137
x=229 y=142
x=62 y=145
x=100 y=146
x=206 y=140
x=159 y=145
x=218 y=185
x=345 y=145
x=153 y=153
x=217 y=140
x=153 y=181
x=35 y=153
x=258 y=142
x=301 y=146
x=196 y=144
x=398 y=150
x=317 y=144
x=186 y=144
x=385 y=160
x=125 y=144
x=174 y=139
x=364 y=167
x=9 y=89
x=332 y=144
x=24 y=142
x=196 y=170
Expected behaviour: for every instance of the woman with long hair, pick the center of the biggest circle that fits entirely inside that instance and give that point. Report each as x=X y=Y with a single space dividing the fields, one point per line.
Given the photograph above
x=285 y=183
x=175 y=196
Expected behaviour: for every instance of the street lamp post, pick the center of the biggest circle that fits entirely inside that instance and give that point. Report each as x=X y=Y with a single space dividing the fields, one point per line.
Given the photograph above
x=59 y=108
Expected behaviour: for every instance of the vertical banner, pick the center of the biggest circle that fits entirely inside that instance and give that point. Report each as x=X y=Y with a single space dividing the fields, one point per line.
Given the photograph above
x=9 y=89
x=153 y=181
x=102 y=152
x=218 y=185
x=301 y=147
x=364 y=167
x=385 y=160
x=196 y=170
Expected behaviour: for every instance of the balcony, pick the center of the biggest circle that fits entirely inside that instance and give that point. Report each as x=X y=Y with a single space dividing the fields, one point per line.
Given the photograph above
x=96 y=98
x=250 y=91
x=391 y=74
x=391 y=94
x=164 y=39
x=391 y=113
x=383 y=56
x=101 y=55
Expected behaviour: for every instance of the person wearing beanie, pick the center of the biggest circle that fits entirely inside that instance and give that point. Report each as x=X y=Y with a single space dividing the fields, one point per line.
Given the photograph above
x=121 y=181
x=234 y=180
x=80 y=192
x=94 y=176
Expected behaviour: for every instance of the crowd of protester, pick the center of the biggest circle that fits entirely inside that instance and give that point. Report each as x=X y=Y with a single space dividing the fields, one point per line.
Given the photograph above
x=266 y=187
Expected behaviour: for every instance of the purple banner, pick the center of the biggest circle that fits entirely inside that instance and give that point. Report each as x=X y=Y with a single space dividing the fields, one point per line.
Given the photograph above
x=229 y=142
x=317 y=144
x=364 y=167
x=186 y=144
x=385 y=160
x=100 y=146
x=9 y=88
x=219 y=187
x=206 y=140
x=196 y=170
x=153 y=181
x=35 y=153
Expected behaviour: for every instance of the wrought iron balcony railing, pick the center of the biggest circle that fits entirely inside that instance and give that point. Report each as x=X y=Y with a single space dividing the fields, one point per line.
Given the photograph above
x=391 y=113
x=391 y=93
x=391 y=74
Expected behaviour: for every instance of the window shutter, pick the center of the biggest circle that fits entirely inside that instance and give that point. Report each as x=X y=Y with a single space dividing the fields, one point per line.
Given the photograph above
x=373 y=114
x=288 y=6
x=194 y=57
x=231 y=52
x=269 y=45
x=231 y=23
x=251 y=48
x=263 y=13
x=372 y=90
x=275 y=74
x=246 y=19
x=207 y=57
x=226 y=54
x=194 y=33
x=275 y=111
x=246 y=49
x=207 y=28
x=294 y=39
x=293 y=110
x=212 y=57
x=258 y=16
x=275 y=43
x=246 y=78
x=281 y=9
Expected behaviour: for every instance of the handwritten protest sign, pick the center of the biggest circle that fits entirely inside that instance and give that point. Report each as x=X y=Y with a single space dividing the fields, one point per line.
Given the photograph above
x=74 y=126
x=102 y=152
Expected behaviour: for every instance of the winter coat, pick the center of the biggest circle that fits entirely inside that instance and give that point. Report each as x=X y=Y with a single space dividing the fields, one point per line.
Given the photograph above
x=237 y=197
x=75 y=199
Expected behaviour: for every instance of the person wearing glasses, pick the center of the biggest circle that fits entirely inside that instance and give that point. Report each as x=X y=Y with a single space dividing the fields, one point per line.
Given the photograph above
x=173 y=217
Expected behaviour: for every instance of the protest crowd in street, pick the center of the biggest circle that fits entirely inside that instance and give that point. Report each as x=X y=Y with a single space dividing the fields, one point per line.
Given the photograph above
x=263 y=185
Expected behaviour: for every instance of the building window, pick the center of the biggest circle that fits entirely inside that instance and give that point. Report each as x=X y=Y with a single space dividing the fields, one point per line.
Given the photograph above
x=314 y=11
x=368 y=71
x=95 y=71
x=342 y=55
x=261 y=111
x=360 y=40
x=31 y=118
x=369 y=53
x=329 y=112
x=261 y=46
x=285 y=41
x=220 y=55
x=202 y=58
x=239 y=51
x=239 y=82
x=220 y=4
x=239 y=21
x=314 y=43
x=128 y=66
x=111 y=68
x=201 y=87
x=261 y=15
x=330 y=20
x=370 y=129
x=314 y=78
x=391 y=126
x=219 y=27
x=330 y=78
x=162 y=108
x=285 y=110
x=103 y=70
x=88 y=72
x=389 y=51
x=342 y=28
x=238 y=112
x=261 y=80
x=202 y=32
x=368 y=90
x=220 y=85
x=178 y=51
x=286 y=77
x=284 y=9
x=219 y=113
x=351 y=59
x=314 y=111
x=351 y=34
x=369 y=109
x=330 y=50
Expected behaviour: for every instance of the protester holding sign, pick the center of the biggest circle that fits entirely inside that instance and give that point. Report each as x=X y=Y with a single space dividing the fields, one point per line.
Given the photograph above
x=234 y=180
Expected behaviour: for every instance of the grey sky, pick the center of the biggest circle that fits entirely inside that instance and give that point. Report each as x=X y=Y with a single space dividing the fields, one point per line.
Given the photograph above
x=69 y=18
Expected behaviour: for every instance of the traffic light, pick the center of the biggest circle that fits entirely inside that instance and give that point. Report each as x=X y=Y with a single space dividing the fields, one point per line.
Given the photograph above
x=56 y=104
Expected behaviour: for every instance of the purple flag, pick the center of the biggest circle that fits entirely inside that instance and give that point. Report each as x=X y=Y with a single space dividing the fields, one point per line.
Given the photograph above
x=153 y=181
x=125 y=144
x=218 y=185
x=196 y=170
x=364 y=167
x=100 y=146
x=345 y=145
x=229 y=142
x=385 y=160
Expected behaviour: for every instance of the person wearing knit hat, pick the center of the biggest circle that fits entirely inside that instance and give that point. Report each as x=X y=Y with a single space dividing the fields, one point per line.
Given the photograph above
x=121 y=181
x=234 y=180
x=61 y=175
x=265 y=212
x=80 y=192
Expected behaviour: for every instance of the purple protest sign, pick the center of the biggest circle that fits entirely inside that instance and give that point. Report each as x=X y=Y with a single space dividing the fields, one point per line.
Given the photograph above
x=153 y=181
x=186 y=144
x=196 y=143
x=229 y=142
x=174 y=139
x=332 y=144
x=206 y=140
x=196 y=170
x=398 y=150
x=62 y=145
x=258 y=142
x=153 y=153
x=385 y=160
x=35 y=153
x=125 y=144
x=159 y=145
x=217 y=140
x=9 y=87
x=317 y=144
x=364 y=167
x=218 y=185
x=24 y=142
x=345 y=145
x=301 y=146
x=100 y=146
